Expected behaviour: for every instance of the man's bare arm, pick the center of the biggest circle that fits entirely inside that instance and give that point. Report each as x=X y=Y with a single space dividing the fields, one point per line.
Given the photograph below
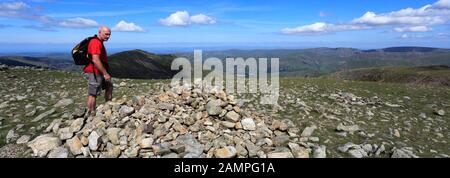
x=100 y=67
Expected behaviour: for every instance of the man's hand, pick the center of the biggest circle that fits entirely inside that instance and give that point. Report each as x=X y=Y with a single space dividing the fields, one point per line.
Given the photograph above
x=107 y=77
x=100 y=67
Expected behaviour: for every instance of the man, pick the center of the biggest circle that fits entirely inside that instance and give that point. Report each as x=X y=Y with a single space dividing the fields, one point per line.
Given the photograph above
x=97 y=71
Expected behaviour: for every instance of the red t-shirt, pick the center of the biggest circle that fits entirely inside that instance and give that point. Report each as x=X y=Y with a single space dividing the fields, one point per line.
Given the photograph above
x=96 y=48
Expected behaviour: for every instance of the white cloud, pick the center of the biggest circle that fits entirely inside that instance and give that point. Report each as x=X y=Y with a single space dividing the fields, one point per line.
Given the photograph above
x=14 y=9
x=437 y=13
x=442 y=4
x=179 y=18
x=321 y=27
x=404 y=20
x=13 y=6
x=78 y=23
x=406 y=36
x=182 y=18
x=398 y=18
x=123 y=26
x=412 y=29
x=21 y=10
x=202 y=19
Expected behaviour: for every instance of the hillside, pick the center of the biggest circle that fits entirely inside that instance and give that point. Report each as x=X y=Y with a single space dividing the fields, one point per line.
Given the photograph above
x=23 y=61
x=49 y=61
x=139 y=64
x=320 y=61
x=424 y=75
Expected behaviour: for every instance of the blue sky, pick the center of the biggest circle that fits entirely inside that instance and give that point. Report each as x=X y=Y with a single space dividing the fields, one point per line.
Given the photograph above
x=57 y=24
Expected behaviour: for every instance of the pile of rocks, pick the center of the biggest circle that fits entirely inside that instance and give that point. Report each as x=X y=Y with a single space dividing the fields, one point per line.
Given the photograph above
x=180 y=121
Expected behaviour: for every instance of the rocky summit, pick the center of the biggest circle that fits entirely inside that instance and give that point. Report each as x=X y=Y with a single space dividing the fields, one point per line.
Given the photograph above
x=42 y=114
x=179 y=122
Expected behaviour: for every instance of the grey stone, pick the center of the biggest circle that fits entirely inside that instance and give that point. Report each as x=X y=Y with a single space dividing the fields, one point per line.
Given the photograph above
x=357 y=153
x=281 y=140
x=23 y=139
x=161 y=149
x=252 y=149
x=59 y=152
x=227 y=152
x=241 y=151
x=113 y=135
x=297 y=151
x=41 y=145
x=280 y=155
x=227 y=124
x=248 y=124
x=213 y=107
x=132 y=152
x=178 y=148
x=403 y=153
x=65 y=133
x=113 y=151
x=79 y=112
x=314 y=139
x=351 y=128
x=77 y=125
x=63 y=103
x=166 y=106
x=308 y=131
x=126 y=111
x=191 y=144
x=367 y=148
x=43 y=115
x=320 y=152
x=29 y=108
x=94 y=139
x=75 y=145
x=146 y=143
x=171 y=155
x=4 y=105
x=232 y=116
x=423 y=115
x=380 y=150
x=11 y=135
x=348 y=146
x=440 y=112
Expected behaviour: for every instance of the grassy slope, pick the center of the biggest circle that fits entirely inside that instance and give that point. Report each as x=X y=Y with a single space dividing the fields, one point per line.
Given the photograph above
x=140 y=64
x=426 y=75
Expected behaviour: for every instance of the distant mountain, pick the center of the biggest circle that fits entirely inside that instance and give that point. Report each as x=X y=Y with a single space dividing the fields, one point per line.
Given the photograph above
x=140 y=64
x=423 y=75
x=22 y=61
x=44 y=62
x=293 y=62
x=319 y=61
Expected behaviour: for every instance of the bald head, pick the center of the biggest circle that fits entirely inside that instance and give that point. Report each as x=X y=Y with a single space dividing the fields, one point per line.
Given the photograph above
x=104 y=33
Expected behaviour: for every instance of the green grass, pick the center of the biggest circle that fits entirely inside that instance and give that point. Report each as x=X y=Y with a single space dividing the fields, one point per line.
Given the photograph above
x=426 y=75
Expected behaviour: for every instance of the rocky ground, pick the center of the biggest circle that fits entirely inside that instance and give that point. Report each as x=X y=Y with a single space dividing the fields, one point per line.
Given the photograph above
x=42 y=115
